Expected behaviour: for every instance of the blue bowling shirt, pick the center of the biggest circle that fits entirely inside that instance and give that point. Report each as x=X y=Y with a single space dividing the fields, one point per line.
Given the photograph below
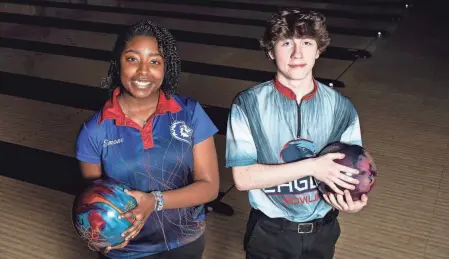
x=157 y=157
x=267 y=125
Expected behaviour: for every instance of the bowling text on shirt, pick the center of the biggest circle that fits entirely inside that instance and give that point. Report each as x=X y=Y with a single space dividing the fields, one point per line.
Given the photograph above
x=300 y=191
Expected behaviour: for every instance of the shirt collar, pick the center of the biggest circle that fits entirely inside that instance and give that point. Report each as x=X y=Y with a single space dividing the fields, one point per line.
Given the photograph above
x=112 y=110
x=289 y=94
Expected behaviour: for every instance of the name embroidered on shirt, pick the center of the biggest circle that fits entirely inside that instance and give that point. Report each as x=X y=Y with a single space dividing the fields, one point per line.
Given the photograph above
x=112 y=142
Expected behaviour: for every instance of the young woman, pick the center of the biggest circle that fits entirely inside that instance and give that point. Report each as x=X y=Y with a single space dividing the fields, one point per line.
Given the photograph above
x=155 y=141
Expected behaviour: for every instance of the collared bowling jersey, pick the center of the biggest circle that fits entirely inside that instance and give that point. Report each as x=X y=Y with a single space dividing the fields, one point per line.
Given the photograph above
x=268 y=126
x=157 y=157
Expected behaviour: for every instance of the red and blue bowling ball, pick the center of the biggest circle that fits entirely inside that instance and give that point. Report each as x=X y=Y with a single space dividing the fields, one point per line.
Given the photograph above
x=355 y=157
x=95 y=213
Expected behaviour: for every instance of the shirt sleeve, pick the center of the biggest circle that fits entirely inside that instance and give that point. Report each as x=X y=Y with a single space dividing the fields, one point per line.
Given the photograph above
x=352 y=134
x=203 y=127
x=87 y=149
x=240 y=147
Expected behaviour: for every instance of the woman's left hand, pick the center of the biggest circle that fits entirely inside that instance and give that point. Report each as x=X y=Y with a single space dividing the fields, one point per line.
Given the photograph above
x=145 y=206
x=345 y=203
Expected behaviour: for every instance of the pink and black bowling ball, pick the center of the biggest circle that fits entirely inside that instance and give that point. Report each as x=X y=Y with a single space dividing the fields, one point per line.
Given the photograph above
x=95 y=213
x=355 y=157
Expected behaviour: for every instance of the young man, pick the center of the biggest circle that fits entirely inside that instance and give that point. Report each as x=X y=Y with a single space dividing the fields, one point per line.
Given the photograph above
x=275 y=130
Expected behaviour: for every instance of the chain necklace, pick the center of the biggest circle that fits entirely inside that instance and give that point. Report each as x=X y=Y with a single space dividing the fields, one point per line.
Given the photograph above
x=128 y=110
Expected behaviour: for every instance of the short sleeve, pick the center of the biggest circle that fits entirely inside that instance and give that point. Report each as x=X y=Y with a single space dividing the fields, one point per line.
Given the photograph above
x=240 y=147
x=87 y=149
x=203 y=127
x=352 y=134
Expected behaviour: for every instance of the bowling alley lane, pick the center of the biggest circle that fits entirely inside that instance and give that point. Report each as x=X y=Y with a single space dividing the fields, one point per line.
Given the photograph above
x=403 y=116
x=213 y=91
x=36 y=223
x=40 y=218
x=74 y=70
x=255 y=16
x=53 y=128
x=402 y=190
x=338 y=40
x=273 y=4
x=57 y=67
x=224 y=14
x=439 y=237
x=49 y=127
x=336 y=25
x=219 y=55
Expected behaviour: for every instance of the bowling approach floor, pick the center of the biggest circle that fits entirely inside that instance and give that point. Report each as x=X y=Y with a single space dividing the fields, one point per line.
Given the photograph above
x=52 y=58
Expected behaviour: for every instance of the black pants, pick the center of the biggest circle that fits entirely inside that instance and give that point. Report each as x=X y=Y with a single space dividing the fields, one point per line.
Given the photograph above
x=268 y=238
x=193 y=250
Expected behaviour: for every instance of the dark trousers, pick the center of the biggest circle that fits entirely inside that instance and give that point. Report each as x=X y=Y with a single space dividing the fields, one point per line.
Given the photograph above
x=268 y=238
x=193 y=250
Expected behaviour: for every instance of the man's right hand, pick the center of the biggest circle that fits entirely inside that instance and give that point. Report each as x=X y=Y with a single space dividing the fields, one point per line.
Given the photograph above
x=326 y=170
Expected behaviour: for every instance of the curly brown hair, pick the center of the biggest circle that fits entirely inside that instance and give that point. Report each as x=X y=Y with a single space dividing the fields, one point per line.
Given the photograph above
x=167 y=46
x=293 y=23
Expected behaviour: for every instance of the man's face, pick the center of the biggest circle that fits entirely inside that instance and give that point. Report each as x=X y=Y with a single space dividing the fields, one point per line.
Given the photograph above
x=295 y=57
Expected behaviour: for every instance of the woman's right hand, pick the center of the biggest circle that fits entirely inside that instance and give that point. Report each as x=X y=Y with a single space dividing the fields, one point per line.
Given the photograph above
x=105 y=250
x=326 y=170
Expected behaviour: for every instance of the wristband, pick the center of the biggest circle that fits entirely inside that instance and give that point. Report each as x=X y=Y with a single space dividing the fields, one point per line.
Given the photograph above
x=159 y=200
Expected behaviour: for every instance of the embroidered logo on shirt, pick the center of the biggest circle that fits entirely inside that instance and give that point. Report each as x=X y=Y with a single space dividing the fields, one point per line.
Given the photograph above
x=180 y=131
x=107 y=142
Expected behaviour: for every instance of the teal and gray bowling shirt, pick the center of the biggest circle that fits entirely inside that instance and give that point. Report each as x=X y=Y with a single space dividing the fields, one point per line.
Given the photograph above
x=267 y=125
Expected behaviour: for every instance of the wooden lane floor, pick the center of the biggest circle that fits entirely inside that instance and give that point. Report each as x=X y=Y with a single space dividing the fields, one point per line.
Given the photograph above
x=337 y=7
x=215 y=55
x=36 y=223
x=256 y=17
x=395 y=198
x=37 y=141
x=407 y=136
x=45 y=96
x=231 y=35
x=78 y=38
x=331 y=10
x=53 y=128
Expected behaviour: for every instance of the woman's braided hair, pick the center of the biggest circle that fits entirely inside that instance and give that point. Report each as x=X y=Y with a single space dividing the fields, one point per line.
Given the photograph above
x=167 y=47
